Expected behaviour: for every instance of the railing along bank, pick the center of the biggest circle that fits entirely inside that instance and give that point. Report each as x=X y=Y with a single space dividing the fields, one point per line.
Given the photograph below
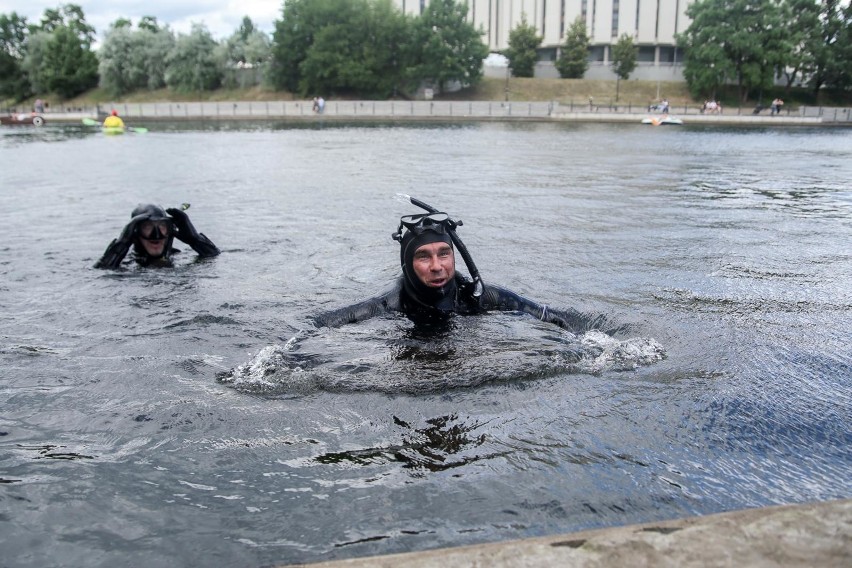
x=435 y=109
x=452 y=110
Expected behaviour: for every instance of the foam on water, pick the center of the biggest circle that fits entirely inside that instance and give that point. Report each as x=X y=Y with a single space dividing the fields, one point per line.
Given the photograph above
x=279 y=369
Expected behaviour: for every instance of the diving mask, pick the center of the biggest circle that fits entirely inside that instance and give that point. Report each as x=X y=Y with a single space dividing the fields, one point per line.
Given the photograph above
x=155 y=230
x=417 y=224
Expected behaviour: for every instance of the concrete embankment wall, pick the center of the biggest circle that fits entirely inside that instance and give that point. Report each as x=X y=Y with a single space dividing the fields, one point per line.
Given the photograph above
x=584 y=111
x=792 y=536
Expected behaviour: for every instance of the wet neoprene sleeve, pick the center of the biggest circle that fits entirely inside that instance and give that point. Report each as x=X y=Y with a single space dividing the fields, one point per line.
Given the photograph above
x=187 y=233
x=114 y=254
x=493 y=298
x=367 y=309
x=117 y=249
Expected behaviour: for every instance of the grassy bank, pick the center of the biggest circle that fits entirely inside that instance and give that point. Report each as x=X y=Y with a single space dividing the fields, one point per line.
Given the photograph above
x=519 y=89
x=565 y=91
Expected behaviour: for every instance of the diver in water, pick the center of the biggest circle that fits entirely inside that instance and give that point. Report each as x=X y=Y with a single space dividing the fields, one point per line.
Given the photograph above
x=151 y=231
x=430 y=289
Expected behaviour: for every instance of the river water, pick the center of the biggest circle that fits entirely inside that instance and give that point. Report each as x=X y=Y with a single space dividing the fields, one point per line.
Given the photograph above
x=193 y=415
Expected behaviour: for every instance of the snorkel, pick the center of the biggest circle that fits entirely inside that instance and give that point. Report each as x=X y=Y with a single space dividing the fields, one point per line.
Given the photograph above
x=457 y=242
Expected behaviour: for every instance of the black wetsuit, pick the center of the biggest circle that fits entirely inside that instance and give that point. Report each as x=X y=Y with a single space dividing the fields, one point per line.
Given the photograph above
x=183 y=230
x=398 y=299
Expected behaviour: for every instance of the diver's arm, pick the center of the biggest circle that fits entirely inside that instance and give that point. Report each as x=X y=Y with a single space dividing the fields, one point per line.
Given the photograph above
x=368 y=309
x=114 y=254
x=503 y=299
x=499 y=298
x=117 y=249
x=187 y=233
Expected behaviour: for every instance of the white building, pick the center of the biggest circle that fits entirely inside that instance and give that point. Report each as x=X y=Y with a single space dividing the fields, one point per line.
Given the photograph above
x=652 y=24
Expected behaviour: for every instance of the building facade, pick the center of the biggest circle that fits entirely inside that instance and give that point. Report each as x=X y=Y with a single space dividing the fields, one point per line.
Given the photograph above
x=651 y=23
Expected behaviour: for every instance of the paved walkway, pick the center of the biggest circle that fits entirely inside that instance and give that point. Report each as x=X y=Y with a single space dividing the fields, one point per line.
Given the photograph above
x=810 y=535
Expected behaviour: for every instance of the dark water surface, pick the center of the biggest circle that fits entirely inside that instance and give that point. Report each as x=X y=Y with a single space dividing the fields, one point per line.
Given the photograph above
x=163 y=417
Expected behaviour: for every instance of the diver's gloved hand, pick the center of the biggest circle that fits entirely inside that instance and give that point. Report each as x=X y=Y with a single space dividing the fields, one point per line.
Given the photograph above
x=186 y=232
x=117 y=249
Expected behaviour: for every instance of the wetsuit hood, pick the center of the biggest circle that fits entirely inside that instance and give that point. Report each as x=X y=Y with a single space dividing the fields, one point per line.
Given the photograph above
x=152 y=212
x=443 y=298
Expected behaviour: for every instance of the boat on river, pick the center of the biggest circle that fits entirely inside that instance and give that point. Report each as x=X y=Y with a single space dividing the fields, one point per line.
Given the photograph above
x=23 y=119
x=111 y=130
x=662 y=120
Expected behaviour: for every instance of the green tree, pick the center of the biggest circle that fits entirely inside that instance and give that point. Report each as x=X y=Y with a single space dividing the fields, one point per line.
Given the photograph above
x=118 y=74
x=156 y=45
x=247 y=45
x=367 y=54
x=451 y=48
x=841 y=70
x=70 y=16
x=149 y=23
x=246 y=51
x=33 y=63
x=59 y=53
x=294 y=36
x=623 y=59
x=522 y=54
x=14 y=83
x=246 y=29
x=805 y=33
x=741 y=40
x=327 y=46
x=573 y=60
x=191 y=65
x=830 y=48
x=70 y=65
x=134 y=59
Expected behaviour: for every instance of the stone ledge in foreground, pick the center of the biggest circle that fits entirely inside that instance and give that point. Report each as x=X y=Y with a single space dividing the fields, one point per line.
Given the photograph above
x=816 y=534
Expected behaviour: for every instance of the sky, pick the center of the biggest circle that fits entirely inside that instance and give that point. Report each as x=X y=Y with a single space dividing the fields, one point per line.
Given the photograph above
x=222 y=17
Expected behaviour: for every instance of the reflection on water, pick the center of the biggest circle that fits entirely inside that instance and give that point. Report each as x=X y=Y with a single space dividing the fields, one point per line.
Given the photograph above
x=432 y=448
x=193 y=414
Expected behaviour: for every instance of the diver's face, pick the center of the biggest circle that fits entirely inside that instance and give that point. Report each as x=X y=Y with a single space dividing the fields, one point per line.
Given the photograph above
x=154 y=247
x=153 y=235
x=435 y=264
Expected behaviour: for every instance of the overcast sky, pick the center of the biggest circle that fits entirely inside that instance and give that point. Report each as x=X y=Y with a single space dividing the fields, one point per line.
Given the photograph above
x=222 y=17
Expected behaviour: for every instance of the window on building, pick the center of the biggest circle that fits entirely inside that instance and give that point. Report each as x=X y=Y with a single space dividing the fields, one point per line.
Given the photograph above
x=667 y=54
x=546 y=54
x=638 y=5
x=646 y=54
x=597 y=52
x=614 y=18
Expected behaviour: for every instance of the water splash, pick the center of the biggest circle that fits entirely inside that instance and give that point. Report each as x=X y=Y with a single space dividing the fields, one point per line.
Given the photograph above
x=418 y=365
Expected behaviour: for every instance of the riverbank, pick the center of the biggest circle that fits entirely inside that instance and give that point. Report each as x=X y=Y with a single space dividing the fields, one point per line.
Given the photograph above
x=441 y=111
x=816 y=534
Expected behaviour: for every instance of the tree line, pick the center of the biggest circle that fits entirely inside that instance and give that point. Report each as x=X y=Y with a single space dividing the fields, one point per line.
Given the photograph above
x=371 y=49
x=364 y=47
